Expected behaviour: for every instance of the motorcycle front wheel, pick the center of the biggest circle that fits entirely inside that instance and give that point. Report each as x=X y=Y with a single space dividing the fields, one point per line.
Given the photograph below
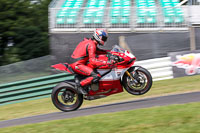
x=66 y=98
x=137 y=80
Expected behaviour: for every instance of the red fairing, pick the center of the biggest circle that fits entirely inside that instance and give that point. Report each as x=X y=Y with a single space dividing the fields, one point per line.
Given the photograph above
x=88 y=80
x=62 y=67
x=108 y=88
x=128 y=62
x=59 y=67
x=120 y=65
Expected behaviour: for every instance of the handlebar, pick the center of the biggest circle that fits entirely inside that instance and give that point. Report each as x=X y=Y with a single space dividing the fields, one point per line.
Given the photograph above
x=115 y=58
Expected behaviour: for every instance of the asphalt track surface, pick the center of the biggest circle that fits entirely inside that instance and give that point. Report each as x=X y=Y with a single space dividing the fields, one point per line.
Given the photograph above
x=122 y=106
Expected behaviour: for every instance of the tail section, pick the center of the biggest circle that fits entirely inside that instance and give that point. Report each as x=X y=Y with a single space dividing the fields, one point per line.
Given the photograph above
x=63 y=67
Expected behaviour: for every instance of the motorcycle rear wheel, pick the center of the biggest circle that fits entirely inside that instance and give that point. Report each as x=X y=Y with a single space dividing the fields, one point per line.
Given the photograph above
x=66 y=98
x=140 y=85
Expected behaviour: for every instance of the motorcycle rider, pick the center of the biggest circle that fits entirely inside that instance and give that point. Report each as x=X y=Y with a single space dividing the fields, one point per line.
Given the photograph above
x=86 y=51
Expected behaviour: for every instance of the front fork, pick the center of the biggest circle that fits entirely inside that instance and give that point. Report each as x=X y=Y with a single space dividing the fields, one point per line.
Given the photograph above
x=135 y=77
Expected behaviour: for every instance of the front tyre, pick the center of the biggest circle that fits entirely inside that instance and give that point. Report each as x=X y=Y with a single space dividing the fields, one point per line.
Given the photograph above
x=66 y=98
x=137 y=80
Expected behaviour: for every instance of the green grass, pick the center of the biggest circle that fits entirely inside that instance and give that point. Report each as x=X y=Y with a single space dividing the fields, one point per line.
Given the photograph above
x=167 y=119
x=42 y=106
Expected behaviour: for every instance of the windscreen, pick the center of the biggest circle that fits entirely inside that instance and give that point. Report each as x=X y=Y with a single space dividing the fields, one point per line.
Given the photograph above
x=116 y=48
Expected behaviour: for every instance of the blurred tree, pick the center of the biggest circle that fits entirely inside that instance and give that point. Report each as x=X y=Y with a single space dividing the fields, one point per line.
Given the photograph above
x=31 y=42
x=27 y=24
x=41 y=14
x=11 y=55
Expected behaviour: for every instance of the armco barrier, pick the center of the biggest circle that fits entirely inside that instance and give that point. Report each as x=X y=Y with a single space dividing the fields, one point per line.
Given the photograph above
x=36 y=88
x=30 y=89
x=160 y=68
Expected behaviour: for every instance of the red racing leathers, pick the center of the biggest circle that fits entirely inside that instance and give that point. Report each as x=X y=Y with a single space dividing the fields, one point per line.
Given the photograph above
x=84 y=52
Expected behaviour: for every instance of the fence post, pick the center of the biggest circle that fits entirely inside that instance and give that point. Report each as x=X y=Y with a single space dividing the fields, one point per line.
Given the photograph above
x=192 y=39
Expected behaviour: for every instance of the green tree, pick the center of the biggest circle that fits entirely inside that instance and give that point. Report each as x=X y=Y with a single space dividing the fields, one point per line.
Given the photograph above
x=32 y=42
x=11 y=55
x=27 y=25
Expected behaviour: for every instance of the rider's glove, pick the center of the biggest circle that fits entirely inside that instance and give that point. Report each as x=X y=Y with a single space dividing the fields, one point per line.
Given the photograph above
x=111 y=63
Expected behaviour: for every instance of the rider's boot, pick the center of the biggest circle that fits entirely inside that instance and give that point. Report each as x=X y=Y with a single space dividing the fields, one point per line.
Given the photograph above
x=82 y=90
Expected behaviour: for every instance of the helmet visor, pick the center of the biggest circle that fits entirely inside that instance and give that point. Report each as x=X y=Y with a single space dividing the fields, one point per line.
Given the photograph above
x=104 y=38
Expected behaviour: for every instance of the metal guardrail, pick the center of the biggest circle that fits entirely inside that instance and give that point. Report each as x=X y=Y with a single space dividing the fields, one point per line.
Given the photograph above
x=36 y=88
x=30 y=89
x=160 y=68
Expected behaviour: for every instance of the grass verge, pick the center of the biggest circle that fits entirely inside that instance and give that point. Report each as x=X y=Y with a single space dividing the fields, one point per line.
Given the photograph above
x=168 y=119
x=42 y=106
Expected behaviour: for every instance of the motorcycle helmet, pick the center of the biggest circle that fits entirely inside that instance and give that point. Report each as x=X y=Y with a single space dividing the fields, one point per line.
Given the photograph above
x=100 y=35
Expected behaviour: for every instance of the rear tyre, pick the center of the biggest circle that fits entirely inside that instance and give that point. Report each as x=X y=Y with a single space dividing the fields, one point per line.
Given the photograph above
x=142 y=81
x=66 y=98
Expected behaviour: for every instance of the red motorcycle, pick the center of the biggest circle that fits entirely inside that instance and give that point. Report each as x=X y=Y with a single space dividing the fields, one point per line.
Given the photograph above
x=136 y=80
